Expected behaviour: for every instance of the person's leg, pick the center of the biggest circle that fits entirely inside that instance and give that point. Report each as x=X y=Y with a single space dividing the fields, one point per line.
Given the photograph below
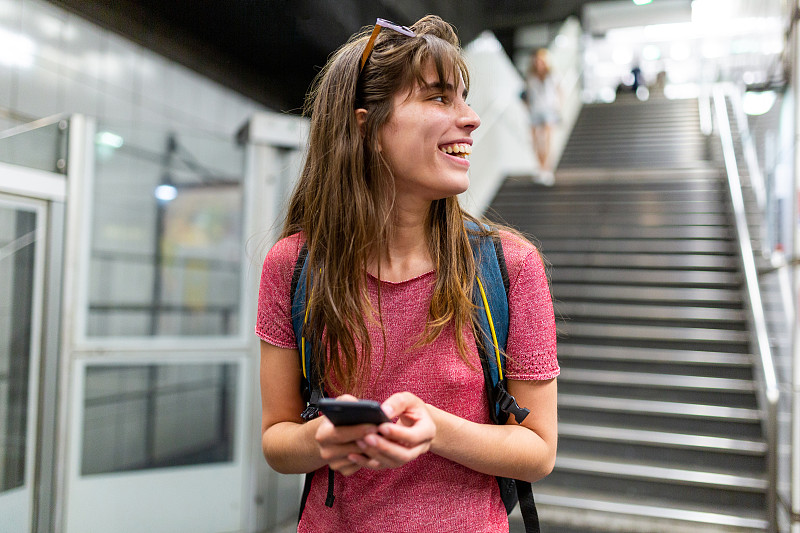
x=535 y=137
x=542 y=138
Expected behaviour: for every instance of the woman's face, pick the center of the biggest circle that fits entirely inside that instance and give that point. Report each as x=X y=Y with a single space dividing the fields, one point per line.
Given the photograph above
x=427 y=138
x=540 y=64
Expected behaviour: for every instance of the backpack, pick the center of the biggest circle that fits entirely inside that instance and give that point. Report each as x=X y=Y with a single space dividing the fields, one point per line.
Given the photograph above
x=490 y=296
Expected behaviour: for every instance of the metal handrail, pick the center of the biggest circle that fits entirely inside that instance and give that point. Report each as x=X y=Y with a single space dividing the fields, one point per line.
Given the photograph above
x=30 y=126
x=704 y=110
x=748 y=146
x=768 y=390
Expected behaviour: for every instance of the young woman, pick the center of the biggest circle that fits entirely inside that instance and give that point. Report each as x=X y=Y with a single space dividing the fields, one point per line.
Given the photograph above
x=376 y=206
x=543 y=102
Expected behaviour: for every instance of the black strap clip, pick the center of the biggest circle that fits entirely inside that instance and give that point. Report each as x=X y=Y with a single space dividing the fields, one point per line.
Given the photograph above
x=312 y=411
x=508 y=404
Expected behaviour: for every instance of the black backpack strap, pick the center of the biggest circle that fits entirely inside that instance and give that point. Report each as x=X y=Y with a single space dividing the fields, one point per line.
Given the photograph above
x=528 y=507
x=306 y=491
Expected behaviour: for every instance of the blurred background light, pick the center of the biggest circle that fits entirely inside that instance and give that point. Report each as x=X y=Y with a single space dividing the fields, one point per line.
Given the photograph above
x=758 y=102
x=106 y=138
x=166 y=193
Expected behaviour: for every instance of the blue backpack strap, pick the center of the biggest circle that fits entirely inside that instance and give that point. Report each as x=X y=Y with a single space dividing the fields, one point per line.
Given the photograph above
x=310 y=385
x=490 y=296
x=310 y=382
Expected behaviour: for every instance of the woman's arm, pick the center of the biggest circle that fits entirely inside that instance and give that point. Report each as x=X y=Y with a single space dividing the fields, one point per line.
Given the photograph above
x=525 y=452
x=290 y=445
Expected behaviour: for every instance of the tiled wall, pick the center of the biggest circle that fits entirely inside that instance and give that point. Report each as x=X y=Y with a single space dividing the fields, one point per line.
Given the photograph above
x=52 y=61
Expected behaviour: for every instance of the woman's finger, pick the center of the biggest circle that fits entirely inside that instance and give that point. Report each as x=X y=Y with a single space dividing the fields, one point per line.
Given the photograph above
x=345 y=466
x=327 y=433
x=420 y=432
x=390 y=454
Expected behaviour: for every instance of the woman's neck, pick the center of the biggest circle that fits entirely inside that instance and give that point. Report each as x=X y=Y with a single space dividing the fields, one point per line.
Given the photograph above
x=406 y=255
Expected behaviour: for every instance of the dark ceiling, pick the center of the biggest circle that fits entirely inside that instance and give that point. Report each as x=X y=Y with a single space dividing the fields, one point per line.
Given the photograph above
x=270 y=50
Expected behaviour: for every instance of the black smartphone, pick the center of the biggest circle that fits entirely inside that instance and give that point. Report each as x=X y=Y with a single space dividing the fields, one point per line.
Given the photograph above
x=344 y=413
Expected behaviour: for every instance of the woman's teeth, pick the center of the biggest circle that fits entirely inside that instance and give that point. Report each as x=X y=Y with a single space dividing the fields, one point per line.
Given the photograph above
x=458 y=150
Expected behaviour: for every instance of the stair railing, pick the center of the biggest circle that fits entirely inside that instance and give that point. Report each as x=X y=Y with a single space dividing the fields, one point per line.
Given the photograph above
x=768 y=392
x=748 y=145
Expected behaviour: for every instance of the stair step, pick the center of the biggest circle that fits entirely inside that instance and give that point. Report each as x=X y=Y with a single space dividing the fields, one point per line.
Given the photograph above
x=667 y=388
x=679 y=486
x=757 y=484
x=637 y=514
x=655 y=360
x=693 y=157
x=521 y=213
x=654 y=415
x=630 y=276
x=688 y=357
x=630 y=197
x=660 y=246
x=560 y=260
x=630 y=207
x=706 y=443
x=658 y=408
x=546 y=232
x=652 y=333
x=656 y=367
x=636 y=391
x=678 y=296
x=641 y=379
x=572 y=310
x=675 y=448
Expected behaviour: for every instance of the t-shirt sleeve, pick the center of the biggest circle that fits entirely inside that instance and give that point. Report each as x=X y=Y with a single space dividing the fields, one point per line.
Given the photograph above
x=274 y=316
x=531 y=348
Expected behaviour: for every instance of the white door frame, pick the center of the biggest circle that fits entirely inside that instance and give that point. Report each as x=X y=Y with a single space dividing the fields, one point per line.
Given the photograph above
x=43 y=193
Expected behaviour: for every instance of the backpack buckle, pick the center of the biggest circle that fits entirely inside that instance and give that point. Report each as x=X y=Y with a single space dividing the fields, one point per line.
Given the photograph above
x=312 y=411
x=508 y=404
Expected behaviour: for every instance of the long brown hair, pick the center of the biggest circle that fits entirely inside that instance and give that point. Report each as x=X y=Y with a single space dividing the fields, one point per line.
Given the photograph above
x=344 y=198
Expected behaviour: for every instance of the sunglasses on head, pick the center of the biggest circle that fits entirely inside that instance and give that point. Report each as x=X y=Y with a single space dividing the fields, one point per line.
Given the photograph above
x=380 y=24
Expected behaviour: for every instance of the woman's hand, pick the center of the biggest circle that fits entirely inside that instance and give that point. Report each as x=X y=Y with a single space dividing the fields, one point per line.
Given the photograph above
x=337 y=444
x=396 y=444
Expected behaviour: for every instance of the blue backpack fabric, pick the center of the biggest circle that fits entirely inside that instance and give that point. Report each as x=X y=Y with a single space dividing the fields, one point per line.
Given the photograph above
x=491 y=319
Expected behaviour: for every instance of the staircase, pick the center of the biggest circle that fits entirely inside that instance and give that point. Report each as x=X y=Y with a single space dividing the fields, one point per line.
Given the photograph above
x=658 y=424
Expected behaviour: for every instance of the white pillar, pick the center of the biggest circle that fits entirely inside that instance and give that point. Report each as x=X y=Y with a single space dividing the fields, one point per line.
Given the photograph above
x=275 y=145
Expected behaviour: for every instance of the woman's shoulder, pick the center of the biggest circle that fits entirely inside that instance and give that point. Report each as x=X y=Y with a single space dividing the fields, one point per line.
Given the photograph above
x=515 y=244
x=519 y=253
x=285 y=251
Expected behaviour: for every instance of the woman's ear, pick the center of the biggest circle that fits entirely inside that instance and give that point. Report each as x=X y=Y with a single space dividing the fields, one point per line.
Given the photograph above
x=361 y=120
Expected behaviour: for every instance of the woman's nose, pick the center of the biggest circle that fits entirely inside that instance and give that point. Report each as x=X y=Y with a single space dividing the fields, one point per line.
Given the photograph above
x=468 y=118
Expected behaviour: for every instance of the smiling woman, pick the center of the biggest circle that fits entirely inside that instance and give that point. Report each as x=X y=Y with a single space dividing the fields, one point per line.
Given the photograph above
x=376 y=224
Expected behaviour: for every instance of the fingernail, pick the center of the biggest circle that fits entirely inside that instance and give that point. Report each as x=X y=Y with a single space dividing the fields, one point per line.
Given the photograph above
x=371 y=440
x=389 y=411
x=361 y=444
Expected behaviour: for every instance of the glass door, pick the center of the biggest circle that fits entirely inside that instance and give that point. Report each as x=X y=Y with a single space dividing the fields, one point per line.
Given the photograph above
x=22 y=234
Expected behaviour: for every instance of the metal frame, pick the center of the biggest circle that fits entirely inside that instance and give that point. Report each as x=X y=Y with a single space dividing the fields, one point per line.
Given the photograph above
x=39 y=208
x=81 y=169
x=131 y=486
x=45 y=192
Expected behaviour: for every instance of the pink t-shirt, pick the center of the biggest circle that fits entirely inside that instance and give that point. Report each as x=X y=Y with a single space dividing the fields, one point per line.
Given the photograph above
x=429 y=494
